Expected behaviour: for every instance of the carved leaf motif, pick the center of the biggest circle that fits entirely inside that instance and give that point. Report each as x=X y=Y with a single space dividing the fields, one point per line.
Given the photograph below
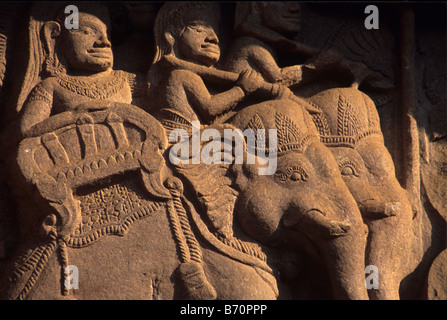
x=365 y=44
x=288 y=131
x=2 y=57
x=375 y=48
x=348 y=124
x=256 y=124
x=320 y=122
x=35 y=260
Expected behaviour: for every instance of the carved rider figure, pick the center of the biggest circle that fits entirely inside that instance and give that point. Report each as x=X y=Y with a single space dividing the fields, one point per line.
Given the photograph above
x=187 y=31
x=79 y=64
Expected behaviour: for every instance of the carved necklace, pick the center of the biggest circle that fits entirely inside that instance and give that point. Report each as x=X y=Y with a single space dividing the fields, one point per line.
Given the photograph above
x=99 y=89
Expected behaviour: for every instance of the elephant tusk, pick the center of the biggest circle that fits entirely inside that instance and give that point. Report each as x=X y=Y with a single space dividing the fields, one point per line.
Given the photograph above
x=376 y=209
x=314 y=223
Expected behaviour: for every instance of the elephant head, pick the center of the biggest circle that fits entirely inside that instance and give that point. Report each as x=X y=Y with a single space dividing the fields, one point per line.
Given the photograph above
x=350 y=126
x=304 y=197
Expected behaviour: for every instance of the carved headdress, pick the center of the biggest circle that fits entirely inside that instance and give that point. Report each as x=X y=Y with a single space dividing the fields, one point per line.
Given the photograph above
x=294 y=126
x=348 y=116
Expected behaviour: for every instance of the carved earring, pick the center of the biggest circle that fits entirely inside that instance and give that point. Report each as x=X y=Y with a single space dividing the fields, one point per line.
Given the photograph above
x=52 y=66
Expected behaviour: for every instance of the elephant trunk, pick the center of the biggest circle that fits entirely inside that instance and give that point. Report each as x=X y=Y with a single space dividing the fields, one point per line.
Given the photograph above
x=341 y=241
x=345 y=263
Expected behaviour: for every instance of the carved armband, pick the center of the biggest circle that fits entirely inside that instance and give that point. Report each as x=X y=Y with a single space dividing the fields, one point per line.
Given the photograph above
x=40 y=94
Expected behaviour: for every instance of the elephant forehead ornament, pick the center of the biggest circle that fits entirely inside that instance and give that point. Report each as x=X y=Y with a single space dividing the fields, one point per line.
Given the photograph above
x=348 y=116
x=294 y=128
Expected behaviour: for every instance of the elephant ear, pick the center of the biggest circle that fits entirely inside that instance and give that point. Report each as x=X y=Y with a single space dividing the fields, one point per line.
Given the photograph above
x=211 y=184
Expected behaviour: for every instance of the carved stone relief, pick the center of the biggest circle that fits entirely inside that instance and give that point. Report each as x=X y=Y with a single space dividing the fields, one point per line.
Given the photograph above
x=234 y=150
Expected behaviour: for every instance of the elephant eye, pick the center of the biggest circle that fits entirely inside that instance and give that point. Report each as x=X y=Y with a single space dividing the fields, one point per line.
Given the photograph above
x=296 y=176
x=293 y=173
x=348 y=168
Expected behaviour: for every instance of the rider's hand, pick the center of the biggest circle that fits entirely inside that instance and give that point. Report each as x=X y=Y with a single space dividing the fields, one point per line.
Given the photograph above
x=250 y=81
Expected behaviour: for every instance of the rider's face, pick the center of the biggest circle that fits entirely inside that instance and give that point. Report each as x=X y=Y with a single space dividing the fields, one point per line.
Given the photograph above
x=88 y=48
x=199 y=43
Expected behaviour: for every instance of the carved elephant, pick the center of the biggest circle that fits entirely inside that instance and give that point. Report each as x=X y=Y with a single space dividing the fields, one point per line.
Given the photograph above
x=350 y=126
x=148 y=229
x=306 y=196
x=303 y=201
x=120 y=225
